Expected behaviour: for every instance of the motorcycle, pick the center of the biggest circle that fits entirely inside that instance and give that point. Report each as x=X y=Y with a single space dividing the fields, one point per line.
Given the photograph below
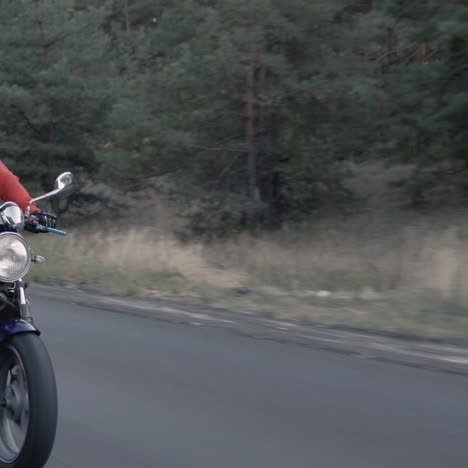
x=28 y=392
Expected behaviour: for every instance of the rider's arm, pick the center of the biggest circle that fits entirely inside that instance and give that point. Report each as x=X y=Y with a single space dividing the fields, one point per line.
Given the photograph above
x=12 y=190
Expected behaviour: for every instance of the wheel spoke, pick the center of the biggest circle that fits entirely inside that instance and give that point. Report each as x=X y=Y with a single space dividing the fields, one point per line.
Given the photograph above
x=24 y=416
x=14 y=404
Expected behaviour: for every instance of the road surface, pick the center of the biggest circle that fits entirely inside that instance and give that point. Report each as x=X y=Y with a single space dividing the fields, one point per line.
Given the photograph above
x=139 y=393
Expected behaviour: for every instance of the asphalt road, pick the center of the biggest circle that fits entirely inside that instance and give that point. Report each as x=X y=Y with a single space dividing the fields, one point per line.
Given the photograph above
x=138 y=393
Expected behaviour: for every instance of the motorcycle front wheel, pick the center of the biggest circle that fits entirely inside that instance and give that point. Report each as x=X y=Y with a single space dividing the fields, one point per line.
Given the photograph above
x=28 y=402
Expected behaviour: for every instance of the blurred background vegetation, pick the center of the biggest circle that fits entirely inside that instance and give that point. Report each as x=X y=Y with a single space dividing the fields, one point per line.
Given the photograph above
x=222 y=118
x=252 y=111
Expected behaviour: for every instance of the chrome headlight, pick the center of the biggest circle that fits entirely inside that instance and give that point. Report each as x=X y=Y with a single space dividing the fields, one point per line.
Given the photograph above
x=15 y=257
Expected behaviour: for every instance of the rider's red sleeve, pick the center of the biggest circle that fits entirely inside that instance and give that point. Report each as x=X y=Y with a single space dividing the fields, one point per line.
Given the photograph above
x=11 y=188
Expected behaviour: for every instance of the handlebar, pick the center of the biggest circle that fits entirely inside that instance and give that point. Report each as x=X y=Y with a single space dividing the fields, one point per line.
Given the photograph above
x=41 y=228
x=37 y=228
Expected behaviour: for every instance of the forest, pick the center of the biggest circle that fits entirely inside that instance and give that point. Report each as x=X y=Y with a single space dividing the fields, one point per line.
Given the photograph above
x=249 y=113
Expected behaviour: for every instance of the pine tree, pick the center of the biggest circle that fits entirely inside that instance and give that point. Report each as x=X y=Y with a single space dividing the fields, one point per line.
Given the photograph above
x=54 y=86
x=251 y=99
x=429 y=91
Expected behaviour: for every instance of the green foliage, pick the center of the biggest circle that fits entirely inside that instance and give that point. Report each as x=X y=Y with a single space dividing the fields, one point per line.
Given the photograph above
x=217 y=215
x=253 y=110
x=428 y=124
x=311 y=172
x=53 y=96
x=202 y=54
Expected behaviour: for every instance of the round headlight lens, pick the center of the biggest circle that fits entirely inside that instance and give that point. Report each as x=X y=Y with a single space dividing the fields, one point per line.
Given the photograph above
x=15 y=257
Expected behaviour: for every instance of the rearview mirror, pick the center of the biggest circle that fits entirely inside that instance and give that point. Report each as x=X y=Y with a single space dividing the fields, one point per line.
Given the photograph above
x=64 y=185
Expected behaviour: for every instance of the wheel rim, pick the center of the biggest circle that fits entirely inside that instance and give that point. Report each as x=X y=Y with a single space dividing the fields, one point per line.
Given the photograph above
x=14 y=404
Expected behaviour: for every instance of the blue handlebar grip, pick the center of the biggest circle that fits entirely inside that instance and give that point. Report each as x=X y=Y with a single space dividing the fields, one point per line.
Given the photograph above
x=53 y=231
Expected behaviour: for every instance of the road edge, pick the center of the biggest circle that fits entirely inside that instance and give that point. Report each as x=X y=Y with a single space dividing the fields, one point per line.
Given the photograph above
x=419 y=353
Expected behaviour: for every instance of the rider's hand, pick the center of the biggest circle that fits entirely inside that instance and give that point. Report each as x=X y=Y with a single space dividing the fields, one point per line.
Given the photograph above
x=45 y=218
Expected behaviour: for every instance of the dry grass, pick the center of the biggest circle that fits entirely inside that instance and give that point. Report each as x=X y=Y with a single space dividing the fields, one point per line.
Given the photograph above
x=130 y=262
x=395 y=275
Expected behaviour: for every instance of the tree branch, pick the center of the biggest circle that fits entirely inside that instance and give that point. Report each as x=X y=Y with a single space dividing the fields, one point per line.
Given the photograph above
x=28 y=122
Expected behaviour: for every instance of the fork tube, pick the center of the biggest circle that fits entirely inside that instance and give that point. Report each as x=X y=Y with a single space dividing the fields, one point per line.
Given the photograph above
x=24 y=307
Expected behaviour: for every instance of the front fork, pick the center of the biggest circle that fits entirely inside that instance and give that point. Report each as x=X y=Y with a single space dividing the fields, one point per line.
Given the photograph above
x=23 y=303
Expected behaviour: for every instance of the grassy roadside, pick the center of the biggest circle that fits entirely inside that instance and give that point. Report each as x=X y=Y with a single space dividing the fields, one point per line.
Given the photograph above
x=408 y=280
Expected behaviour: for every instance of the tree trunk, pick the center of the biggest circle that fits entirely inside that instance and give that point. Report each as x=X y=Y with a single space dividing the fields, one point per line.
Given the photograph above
x=52 y=133
x=391 y=45
x=250 y=134
x=265 y=149
x=422 y=53
x=128 y=25
x=275 y=202
x=250 y=122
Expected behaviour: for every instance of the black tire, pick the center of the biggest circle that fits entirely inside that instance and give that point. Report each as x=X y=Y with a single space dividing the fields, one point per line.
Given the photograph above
x=42 y=397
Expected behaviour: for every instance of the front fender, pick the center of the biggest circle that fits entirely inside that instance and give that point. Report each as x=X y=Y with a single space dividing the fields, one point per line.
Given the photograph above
x=15 y=327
